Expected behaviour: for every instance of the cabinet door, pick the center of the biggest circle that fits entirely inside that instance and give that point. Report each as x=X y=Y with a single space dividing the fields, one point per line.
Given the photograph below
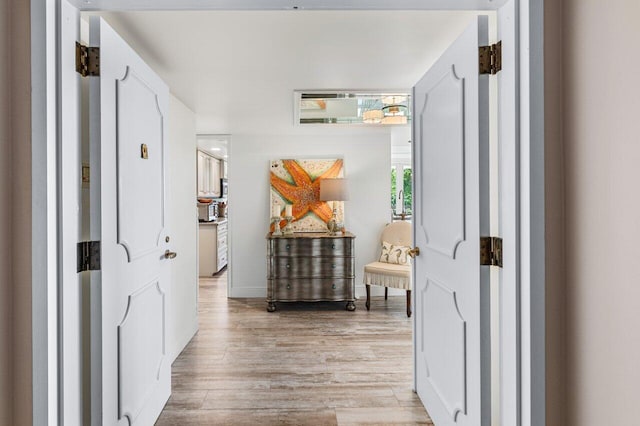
x=202 y=160
x=206 y=167
x=214 y=176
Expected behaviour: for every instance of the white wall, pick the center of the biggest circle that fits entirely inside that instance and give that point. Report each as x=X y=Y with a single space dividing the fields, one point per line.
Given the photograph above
x=367 y=165
x=601 y=159
x=182 y=308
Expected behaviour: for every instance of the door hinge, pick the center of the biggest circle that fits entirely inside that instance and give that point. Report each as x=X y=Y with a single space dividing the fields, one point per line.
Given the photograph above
x=87 y=60
x=88 y=256
x=490 y=58
x=491 y=251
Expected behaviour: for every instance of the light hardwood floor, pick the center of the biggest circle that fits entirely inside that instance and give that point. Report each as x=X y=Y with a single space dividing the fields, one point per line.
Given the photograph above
x=305 y=364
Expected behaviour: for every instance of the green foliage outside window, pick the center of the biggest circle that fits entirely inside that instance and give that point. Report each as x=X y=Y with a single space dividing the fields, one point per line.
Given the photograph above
x=406 y=190
x=393 y=189
x=406 y=187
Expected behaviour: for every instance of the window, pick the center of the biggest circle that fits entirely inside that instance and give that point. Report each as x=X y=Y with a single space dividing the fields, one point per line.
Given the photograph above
x=406 y=189
x=401 y=195
x=393 y=189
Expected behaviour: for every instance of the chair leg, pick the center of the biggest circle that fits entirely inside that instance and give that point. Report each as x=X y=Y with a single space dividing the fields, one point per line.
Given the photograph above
x=386 y=290
x=409 y=303
x=368 y=302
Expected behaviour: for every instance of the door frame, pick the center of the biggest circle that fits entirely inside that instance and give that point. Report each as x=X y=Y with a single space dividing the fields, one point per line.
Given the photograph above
x=523 y=345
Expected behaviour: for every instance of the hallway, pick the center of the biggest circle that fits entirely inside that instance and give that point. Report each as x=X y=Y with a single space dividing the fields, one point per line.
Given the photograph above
x=305 y=364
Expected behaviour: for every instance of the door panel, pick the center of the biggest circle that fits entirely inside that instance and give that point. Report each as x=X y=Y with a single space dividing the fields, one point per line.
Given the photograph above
x=442 y=191
x=140 y=181
x=443 y=345
x=451 y=213
x=131 y=372
x=141 y=348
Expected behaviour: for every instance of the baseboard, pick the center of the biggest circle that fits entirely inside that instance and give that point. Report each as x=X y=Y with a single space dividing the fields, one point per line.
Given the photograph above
x=259 y=292
x=376 y=290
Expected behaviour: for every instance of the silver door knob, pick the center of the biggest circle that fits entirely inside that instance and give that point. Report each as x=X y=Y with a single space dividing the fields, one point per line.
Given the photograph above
x=170 y=254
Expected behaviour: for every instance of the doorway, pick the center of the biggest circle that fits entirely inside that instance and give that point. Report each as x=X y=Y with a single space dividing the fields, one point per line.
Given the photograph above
x=213 y=191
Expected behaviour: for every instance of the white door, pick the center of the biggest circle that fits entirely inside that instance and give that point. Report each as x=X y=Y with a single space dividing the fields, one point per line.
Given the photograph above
x=131 y=371
x=451 y=201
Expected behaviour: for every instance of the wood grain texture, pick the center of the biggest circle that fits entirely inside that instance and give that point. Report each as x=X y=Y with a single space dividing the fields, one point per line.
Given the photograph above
x=305 y=364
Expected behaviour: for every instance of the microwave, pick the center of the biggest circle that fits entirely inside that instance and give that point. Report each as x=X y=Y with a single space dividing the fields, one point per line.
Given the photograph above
x=207 y=212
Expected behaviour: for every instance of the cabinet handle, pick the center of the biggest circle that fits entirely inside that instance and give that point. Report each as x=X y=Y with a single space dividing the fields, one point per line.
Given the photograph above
x=288 y=266
x=333 y=246
x=287 y=247
x=333 y=266
x=333 y=286
x=288 y=287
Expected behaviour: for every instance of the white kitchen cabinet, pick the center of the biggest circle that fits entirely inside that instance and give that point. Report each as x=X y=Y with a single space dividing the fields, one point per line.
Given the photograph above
x=212 y=250
x=208 y=175
x=214 y=177
x=203 y=174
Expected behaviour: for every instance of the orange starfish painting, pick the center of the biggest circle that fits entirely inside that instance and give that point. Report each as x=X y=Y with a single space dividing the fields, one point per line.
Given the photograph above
x=301 y=188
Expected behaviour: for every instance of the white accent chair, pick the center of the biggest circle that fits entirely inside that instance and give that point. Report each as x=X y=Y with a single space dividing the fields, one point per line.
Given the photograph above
x=390 y=274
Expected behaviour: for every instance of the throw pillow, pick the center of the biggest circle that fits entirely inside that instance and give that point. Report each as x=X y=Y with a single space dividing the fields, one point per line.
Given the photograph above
x=395 y=254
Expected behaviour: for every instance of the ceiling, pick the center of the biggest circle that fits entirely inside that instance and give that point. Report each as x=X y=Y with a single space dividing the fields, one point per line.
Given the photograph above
x=237 y=70
x=216 y=145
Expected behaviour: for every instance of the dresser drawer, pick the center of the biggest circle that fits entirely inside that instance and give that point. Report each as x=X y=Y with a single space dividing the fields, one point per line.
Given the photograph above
x=306 y=290
x=311 y=267
x=310 y=247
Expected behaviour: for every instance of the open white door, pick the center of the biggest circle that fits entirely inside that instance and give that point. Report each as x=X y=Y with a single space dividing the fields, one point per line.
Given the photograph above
x=131 y=371
x=451 y=209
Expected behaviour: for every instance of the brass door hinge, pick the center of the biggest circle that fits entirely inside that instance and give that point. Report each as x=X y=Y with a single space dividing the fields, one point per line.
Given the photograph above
x=490 y=58
x=87 y=60
x=88 y=256
x=491 y=251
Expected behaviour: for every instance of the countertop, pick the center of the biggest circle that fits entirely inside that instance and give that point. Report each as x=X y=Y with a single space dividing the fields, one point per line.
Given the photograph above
x=214 y=223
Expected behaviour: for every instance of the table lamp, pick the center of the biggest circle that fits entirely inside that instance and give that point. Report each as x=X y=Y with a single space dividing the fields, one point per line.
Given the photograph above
x=333 y=190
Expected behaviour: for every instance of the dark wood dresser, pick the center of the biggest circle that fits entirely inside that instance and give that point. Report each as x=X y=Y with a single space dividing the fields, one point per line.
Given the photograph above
x=310 y=267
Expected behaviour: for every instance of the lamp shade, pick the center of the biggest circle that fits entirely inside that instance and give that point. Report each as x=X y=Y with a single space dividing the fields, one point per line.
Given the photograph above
x=394 y=119
x=372 y=116
x=334 y=190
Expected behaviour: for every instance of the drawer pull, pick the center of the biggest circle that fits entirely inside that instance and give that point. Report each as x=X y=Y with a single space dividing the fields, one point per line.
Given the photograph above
x=288 y=286
x=333 y=266
x=287 y=246
x=333 y=286
x=333 y=246
x=288 y=266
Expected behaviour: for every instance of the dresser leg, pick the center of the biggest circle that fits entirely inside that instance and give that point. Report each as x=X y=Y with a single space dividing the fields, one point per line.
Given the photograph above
x=271 y=307
x=351 y=306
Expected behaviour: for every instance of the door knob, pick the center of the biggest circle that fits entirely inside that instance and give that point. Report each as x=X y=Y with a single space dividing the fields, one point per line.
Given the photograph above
x=414 y=252
x=170 y=254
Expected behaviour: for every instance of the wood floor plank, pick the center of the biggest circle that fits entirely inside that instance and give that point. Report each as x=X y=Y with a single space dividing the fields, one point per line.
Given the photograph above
x=382 y=416
x=305 y=364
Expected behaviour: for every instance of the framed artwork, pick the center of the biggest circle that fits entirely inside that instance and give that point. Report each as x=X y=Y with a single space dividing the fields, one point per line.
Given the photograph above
x=297 y=182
